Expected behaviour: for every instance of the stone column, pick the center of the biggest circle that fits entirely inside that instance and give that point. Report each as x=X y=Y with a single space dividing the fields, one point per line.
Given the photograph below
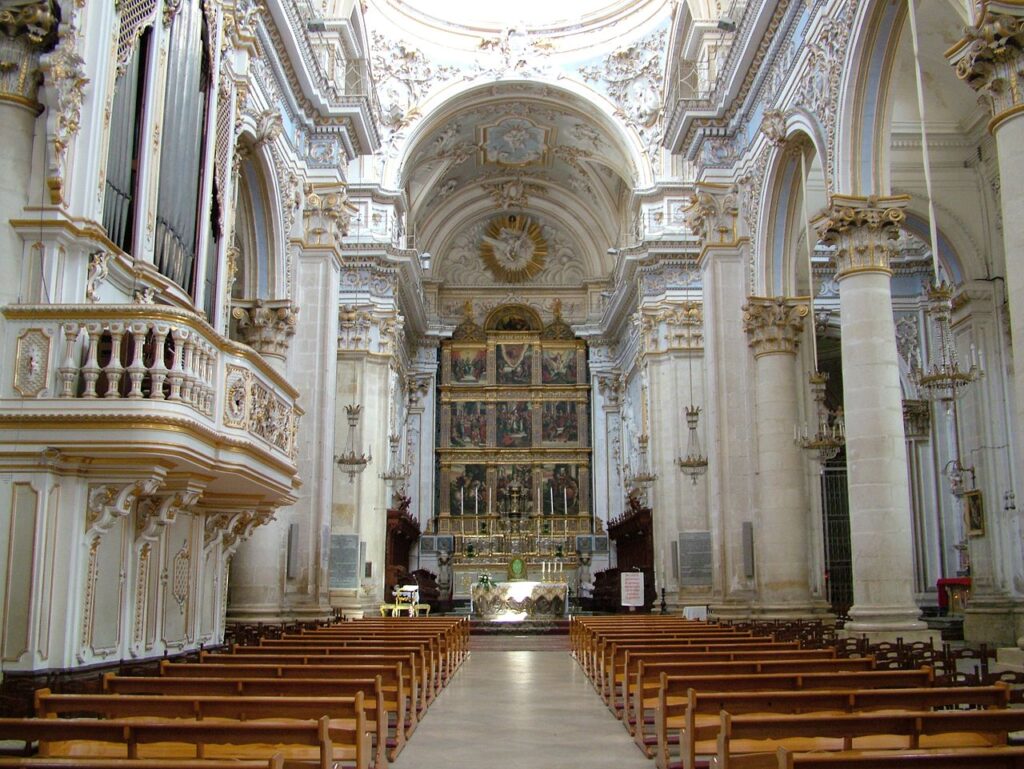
x=990 y=58
x=773 y=327
x=723 y=265
x=861 y=229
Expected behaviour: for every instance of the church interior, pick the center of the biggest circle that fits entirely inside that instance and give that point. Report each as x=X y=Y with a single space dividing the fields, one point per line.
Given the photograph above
x=592 y=315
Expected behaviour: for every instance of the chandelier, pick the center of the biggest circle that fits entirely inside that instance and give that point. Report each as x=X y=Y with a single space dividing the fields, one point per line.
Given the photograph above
x=351 y=463
x=695 y=463
x=943 y=379
x=396 y=471
x=644 y=477
x=830 y=436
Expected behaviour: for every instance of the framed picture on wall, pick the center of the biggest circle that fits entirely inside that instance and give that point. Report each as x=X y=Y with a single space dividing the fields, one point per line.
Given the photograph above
x=974 y=513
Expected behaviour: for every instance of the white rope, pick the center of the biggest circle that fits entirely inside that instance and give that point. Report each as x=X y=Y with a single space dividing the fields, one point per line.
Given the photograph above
x=810 y=252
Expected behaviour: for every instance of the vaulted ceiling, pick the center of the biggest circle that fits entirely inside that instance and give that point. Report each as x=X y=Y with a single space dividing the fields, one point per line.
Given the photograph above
x=524 y=149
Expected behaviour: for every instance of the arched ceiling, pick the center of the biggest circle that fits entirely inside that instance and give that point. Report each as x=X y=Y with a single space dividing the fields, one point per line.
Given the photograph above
x=530 y=150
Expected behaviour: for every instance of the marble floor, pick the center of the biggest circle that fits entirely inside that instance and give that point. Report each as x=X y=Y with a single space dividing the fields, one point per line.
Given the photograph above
x=520 y=709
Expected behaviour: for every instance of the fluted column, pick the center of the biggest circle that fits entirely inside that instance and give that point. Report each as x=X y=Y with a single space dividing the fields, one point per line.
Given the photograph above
x=774 y=326
x=990 y=58
x=862 y=231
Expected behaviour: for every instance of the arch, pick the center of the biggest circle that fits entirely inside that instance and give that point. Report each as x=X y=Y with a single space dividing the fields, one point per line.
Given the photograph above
x=262 y=272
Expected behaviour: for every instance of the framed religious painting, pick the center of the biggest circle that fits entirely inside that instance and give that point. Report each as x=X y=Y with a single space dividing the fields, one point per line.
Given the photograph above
x=559 y=424
x=974 y=513
x=560 y=492
x=468 y=366
x=468 y=424
x=467 y=490
x=513 y=363
x=514 y=492
x=558 y=365
x=513 y=425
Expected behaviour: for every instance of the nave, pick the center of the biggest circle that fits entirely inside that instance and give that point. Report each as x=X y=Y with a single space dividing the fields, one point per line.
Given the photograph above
x=520 y=708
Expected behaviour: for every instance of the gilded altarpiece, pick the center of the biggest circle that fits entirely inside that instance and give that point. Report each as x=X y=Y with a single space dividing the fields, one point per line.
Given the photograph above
x=514 y=444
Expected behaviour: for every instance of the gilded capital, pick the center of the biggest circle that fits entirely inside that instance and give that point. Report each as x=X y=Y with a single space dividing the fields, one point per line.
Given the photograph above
x=863 y=231
x=774 y=323
x=28 y=28
x=990 y=59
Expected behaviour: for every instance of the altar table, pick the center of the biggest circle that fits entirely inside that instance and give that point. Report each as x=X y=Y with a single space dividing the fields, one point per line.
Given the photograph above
x=517 y=601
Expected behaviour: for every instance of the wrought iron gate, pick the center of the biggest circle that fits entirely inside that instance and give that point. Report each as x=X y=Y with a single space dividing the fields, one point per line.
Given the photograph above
x=835 y=511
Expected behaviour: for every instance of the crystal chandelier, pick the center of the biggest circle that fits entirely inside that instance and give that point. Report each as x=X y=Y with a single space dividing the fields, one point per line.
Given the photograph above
x=942 y=379
x=351 y=463
x=396 y=471
x=695 y=463
x=829 y=437
x=644 y=476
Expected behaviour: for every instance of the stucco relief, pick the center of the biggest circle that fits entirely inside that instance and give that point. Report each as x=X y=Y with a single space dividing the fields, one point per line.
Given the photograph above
x=404 y=76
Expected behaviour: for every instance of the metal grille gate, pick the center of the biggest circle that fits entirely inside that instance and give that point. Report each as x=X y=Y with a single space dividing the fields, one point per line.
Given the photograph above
x=835 y=511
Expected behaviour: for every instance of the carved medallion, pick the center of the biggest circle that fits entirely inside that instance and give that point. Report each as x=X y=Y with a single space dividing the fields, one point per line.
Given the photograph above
x=513 y=248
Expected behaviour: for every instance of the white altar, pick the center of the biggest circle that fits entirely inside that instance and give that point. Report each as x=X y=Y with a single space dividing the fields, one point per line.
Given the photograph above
x=517 y=601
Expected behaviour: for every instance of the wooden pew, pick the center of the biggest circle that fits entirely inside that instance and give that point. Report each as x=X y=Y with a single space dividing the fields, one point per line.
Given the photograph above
x=642 y=679
x=338 y=707
x=293 y=665
x=674 y=693
x=741 y=735
x=391 y=703
x=750 y=667
x=276 y=761
x=605 y=648
x=959 y=758
x=317 y=741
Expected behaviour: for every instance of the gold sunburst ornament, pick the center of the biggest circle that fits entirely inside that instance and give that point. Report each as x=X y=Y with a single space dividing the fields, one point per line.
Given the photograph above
x=513 y=248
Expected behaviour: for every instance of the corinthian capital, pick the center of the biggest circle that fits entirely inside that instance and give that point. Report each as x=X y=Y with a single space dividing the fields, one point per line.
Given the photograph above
x=863 y=230
x=990 y=59
x=774 y=323
x=713 y=213
x=267 y=326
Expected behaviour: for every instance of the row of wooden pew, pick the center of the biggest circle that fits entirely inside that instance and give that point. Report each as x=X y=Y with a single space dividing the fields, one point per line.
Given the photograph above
x=345 y=695
x=690 y=692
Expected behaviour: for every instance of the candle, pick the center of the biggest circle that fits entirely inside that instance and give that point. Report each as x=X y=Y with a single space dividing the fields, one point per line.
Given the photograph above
x=462 y=501
x=476 y=501
x=552 y=490
x=565 y=499
x=488 y=500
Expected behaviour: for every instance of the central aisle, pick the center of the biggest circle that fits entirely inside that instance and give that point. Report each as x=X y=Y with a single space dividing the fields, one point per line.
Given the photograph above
x=520 y=708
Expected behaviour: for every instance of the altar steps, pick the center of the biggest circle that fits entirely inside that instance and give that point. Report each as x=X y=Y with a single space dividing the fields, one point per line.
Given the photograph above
x=539 y=627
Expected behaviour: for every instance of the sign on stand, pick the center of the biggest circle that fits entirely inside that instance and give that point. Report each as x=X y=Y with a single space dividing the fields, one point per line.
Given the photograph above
x=632 y=588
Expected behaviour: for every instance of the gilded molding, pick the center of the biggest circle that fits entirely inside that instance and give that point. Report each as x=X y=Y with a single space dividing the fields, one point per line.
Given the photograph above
x=774 y=324
x=990 y=59
x=28 y=27
x=864 y=231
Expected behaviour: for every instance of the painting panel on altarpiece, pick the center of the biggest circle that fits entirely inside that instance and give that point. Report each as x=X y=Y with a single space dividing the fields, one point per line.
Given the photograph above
x=514 y=425
x=560 y=423
x=558 y=365
x=468 y=424
x=469 y=366
x=467 y=489
x=514 y=363
x=560 y=490
x=514 y=491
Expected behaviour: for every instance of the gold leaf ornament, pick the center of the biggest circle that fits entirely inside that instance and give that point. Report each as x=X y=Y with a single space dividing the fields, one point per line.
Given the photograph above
x=513 y=248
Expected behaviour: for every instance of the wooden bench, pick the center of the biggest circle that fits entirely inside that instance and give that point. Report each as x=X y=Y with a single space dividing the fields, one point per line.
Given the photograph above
x=605 y=649
x=391 y=703
x=315 y=741
x=338 y=708
x=642 y=673
x=319 y=667
x=739 y=736
x=957 y=758
x=674 y=693
x=276 y=761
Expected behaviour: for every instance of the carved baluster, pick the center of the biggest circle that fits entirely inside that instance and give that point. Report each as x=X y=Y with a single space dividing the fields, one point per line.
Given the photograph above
x=177 y=372
x=158 y=371
x=210 y=374
x=91 y=369
x=202 y=388
x=137 y=368
x=114 y=370
x=189 y=374
x=68 y=370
